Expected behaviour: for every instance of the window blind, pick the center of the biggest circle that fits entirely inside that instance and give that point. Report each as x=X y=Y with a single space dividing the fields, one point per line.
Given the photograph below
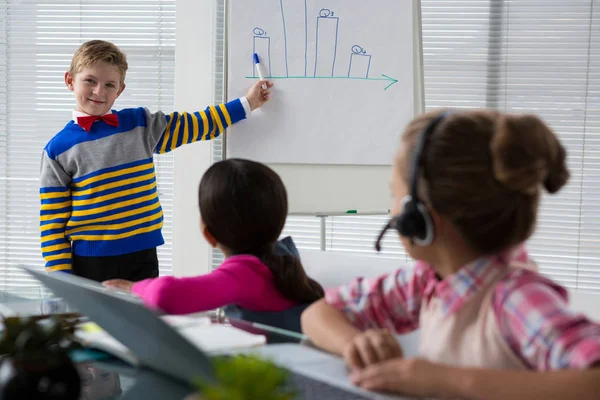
x=547 y=63
x=37 y=41
x=539 y=56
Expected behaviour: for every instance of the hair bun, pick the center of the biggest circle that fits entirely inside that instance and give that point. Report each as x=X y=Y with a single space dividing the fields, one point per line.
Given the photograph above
x=527 y=154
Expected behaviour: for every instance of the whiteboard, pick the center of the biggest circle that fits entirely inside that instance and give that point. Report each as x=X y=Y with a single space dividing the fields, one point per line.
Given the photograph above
x=347 y=77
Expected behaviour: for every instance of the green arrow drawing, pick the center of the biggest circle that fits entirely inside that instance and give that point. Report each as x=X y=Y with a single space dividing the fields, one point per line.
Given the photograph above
x=385 y=78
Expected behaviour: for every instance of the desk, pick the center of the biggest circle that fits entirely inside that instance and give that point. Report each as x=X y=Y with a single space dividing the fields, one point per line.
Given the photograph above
x=113 y=379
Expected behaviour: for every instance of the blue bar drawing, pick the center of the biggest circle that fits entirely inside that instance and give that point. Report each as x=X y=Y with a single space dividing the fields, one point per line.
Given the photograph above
x=360 y=62
x=293 y=14
x=262 y=47
x=326 y=44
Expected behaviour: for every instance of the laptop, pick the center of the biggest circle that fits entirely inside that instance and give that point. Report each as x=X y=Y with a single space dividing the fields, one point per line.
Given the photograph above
x=158 y=346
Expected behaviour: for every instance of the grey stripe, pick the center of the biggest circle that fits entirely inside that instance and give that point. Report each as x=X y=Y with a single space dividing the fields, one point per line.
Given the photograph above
x=111 y=151
x=52 y=174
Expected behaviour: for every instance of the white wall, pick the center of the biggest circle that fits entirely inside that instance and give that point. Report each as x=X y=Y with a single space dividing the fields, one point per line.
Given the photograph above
x=193 y=91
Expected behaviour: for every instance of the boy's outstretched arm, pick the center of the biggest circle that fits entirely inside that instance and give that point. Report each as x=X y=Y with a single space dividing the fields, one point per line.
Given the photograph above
x=183 y=128
x=55 y=211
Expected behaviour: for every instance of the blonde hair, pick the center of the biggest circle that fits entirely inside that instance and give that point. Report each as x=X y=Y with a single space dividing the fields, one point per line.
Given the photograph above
x=484 y=169
x=94 y=51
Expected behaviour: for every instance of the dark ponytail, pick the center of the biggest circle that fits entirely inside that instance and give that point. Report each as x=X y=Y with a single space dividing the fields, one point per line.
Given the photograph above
x=291 y=279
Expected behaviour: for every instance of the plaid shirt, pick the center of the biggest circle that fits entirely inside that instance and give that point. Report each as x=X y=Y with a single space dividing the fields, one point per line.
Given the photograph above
x=531 y=311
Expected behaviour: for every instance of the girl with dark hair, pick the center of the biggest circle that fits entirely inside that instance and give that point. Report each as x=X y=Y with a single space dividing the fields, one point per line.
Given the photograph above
x=243 y=208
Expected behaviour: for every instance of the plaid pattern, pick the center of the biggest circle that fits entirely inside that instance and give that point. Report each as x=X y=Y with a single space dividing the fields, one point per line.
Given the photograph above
x=531 y=310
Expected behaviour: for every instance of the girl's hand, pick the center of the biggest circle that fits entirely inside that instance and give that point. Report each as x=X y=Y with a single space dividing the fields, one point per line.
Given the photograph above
x=412 y=377
x=371 y=347
x=120 y=284
x=257 y=96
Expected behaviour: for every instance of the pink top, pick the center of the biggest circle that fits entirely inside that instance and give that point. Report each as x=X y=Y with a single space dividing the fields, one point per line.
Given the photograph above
x=531 y=311
x=242 y=280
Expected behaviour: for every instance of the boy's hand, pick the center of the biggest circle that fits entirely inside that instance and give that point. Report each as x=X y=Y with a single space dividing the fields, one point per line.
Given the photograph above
x=257 y=96
x=120 y=284
x=371 y=347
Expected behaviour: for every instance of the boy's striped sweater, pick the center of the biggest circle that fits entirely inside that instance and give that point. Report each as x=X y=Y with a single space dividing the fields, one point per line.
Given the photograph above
x=98 y=188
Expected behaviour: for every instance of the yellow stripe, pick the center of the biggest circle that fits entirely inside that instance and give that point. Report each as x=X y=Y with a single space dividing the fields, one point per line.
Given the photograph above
x=113 y=174
x=204 y=125
x=175 y=134
x=77 y=203
x=216 y=117
x=53 y=216
x=185 y=128
x=56 y=247
x=102 y=188
x=51 y=226
x=54 y=195
x=166 y=136
x=115 y=226
x=60 y=267
x=55 y=206
x=53 y=237
x=114 y=206
x=225 y=113
x=119 y=236
x=195 y=127
x=58 y=257
x=115 y=216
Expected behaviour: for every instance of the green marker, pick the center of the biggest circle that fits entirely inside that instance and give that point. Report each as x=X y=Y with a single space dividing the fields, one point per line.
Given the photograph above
x=352 y=212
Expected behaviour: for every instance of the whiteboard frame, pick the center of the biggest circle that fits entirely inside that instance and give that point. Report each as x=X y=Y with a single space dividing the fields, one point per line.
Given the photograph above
x=364 y=188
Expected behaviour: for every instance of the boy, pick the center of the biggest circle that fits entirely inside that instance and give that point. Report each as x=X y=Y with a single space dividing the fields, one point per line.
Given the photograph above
x=100 y=214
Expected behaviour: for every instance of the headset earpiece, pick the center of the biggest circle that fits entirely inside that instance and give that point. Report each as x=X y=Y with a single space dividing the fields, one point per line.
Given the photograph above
x=414 y=222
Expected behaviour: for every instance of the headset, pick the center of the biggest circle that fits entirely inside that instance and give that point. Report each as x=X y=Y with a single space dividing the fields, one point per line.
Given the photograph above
x=414 y=221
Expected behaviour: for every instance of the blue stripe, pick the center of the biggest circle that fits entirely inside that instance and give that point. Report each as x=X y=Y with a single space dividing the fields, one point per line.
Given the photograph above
x=52 y=232
x=114 y=201
x=122 y=220
x=113 y=169
x=114 y=190
x=54 y=221
x=58 y=262
x=119 y=231
x=114 y=211
x=54 y=242
x=211 y=123
x=181 y=131
x=56 y=200
x=171 y=130
x=112 y=180
x=236 y=110
x=223 y=119
x=54 y=189
x=57 y=211
x=116 y=247
x=57 y=252
x=190 y=125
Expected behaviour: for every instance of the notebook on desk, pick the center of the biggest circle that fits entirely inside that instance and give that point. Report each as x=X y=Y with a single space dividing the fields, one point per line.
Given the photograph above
x=201 y=332
x=161 y=347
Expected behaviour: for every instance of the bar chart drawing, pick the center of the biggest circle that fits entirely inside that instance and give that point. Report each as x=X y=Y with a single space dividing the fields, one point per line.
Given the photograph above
x=343 y=76
x=360 y=63
x=326 y=42
x=322 y=51
x=261 y=44
x=295 y=32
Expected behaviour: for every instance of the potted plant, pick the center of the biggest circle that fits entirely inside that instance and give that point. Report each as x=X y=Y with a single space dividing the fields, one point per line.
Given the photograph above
x=34 y=360
x=245 y=377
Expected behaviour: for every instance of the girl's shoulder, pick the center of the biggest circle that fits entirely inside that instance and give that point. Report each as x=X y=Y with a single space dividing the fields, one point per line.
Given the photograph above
x=246 y=264
x=527 y=284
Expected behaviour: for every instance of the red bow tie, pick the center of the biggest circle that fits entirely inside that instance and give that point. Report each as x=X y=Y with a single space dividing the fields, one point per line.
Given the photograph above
x=86 y=121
